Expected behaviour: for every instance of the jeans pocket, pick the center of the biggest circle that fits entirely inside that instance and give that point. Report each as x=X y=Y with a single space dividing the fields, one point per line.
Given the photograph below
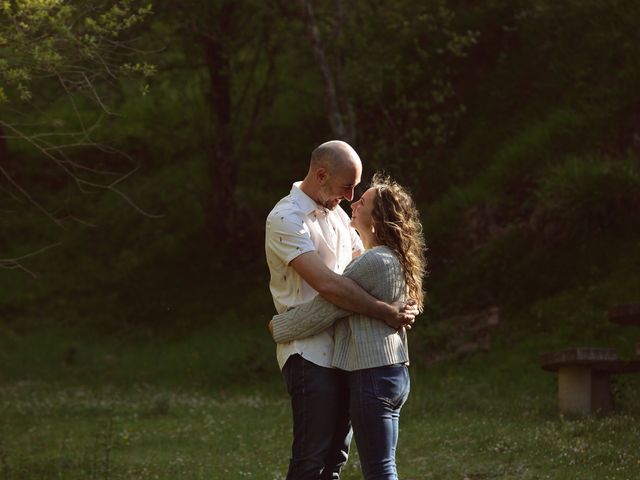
x=391 y=384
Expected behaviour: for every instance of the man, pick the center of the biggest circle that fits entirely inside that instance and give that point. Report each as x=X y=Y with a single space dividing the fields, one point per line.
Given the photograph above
x=308 y=244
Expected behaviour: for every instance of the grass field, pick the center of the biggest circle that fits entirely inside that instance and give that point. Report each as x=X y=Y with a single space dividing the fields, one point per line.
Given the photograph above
x=465 y=419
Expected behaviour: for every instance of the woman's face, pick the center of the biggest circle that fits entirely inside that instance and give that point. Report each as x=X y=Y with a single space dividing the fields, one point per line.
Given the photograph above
x=361 y=218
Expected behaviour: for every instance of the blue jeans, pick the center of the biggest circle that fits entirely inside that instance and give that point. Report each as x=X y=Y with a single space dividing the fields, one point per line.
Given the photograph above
x=321 y=427
x=377 y=395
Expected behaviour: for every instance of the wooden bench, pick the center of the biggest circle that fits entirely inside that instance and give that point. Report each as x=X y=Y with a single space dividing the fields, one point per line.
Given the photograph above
x=584 y=377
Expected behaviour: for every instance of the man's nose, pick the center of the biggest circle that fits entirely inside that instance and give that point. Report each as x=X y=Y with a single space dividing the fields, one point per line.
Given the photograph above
x=349 y=195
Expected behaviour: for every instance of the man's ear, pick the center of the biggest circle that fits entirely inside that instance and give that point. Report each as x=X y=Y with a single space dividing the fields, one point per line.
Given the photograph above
x=322 y=175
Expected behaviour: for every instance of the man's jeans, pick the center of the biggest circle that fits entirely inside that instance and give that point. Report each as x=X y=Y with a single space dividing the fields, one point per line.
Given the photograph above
x=377 y=394
x=321 y=428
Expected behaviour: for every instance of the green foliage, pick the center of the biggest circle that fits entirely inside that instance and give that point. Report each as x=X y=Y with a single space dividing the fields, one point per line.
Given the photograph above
x=588 y=195
x=58 y=40
x=520 y=158
x=518 y=269
x=60 y=62
x=555 y=32
x=408 y=103
x=507 y=185
x=120 y=249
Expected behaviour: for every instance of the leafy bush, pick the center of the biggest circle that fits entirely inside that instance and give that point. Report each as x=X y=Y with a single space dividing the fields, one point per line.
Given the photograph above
x=587 y=194
x=529 y=149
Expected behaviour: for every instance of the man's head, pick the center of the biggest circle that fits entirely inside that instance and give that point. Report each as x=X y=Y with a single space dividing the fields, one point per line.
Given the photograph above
x=334 y=171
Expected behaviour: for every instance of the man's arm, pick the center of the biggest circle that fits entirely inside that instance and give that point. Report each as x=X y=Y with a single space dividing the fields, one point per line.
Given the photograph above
x=348 y=295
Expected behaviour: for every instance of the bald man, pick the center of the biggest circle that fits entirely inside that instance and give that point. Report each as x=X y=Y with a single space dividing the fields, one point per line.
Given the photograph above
x=309 y=242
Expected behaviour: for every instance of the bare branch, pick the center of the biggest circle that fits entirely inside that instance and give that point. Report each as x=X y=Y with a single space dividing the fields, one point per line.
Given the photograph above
x=16 y=263
x=96 y=96
x=26 y=194
x=82 y=183
x=78 y=220
x=134 y=205
x=16 y=266
x=89 y=169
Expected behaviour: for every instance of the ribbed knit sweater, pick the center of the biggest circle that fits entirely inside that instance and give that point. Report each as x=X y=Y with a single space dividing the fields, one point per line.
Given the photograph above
x=360 y=342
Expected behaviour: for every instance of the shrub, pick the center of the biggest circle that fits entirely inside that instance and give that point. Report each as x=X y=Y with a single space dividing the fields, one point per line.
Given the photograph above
x=587 y=194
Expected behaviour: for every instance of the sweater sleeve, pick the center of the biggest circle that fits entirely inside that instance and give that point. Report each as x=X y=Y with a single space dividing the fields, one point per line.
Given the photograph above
x=318 y=314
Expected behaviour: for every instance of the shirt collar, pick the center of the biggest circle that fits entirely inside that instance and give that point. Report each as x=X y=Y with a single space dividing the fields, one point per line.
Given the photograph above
x=304 y=201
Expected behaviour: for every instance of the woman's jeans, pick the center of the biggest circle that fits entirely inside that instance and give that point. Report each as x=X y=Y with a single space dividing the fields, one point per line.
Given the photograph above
x=377 y=394
x=321 y=428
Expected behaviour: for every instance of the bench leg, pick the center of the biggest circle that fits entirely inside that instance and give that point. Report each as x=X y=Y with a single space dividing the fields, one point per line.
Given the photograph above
x=601 y=396
x=582 y=391
x=574 y=390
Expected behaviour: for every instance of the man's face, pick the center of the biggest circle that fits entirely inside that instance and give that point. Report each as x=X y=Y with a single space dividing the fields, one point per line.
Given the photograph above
x=340 y=185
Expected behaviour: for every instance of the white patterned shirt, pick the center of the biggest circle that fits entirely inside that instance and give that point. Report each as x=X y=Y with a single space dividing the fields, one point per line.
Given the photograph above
x=297 y=225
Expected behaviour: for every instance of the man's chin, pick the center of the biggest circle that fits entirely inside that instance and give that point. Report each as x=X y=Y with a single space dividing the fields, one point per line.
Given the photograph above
x=332 y=205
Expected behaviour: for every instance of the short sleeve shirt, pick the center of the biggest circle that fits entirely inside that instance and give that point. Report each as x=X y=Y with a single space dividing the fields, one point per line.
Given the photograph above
x=298 y=225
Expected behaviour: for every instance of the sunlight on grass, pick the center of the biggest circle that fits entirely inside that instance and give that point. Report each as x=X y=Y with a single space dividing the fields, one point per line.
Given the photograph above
x=143 y=432
x=140 y=433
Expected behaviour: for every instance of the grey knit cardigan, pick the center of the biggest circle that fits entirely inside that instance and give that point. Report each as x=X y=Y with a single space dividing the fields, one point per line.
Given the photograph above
x=360 y=342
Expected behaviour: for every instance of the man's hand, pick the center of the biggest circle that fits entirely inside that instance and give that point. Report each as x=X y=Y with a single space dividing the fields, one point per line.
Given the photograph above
x=405 y=316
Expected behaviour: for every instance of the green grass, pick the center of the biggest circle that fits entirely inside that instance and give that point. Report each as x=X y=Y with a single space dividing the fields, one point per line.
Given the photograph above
x=172 y=408
x=140 y=432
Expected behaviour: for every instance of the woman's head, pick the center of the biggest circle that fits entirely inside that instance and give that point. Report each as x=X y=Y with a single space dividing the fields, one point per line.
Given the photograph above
x=387 y=214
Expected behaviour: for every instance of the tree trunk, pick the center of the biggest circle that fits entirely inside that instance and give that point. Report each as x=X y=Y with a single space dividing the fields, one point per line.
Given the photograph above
x=339 y=109
x=222 y=168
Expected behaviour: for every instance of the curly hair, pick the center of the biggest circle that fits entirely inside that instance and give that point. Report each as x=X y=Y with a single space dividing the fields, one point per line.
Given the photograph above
x=396 y=222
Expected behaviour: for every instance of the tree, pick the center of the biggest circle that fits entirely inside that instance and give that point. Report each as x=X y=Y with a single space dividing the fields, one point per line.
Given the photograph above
x=236 y=43
x=408 y=104
x=389 y=73
x=78 y=51
x=330 y=58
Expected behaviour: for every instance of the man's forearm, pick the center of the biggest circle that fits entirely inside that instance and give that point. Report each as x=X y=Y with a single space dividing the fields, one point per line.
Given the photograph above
x=348 y=295
x=357 y=290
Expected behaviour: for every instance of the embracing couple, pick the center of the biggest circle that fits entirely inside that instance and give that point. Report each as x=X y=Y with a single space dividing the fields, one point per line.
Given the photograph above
x=344 y=302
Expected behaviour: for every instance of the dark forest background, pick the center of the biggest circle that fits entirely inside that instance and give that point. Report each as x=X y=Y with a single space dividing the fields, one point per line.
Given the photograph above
x=133 y=199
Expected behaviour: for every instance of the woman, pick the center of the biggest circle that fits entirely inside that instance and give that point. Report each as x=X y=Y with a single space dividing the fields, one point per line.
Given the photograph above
x=375 y=355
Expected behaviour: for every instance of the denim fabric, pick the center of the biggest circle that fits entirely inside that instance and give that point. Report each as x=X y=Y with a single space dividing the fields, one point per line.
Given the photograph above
x=321 y=427
x=377 y=395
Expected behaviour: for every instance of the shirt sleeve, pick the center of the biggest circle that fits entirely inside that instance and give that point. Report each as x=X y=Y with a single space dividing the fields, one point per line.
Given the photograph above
x=288 y=236
x=318 y=314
